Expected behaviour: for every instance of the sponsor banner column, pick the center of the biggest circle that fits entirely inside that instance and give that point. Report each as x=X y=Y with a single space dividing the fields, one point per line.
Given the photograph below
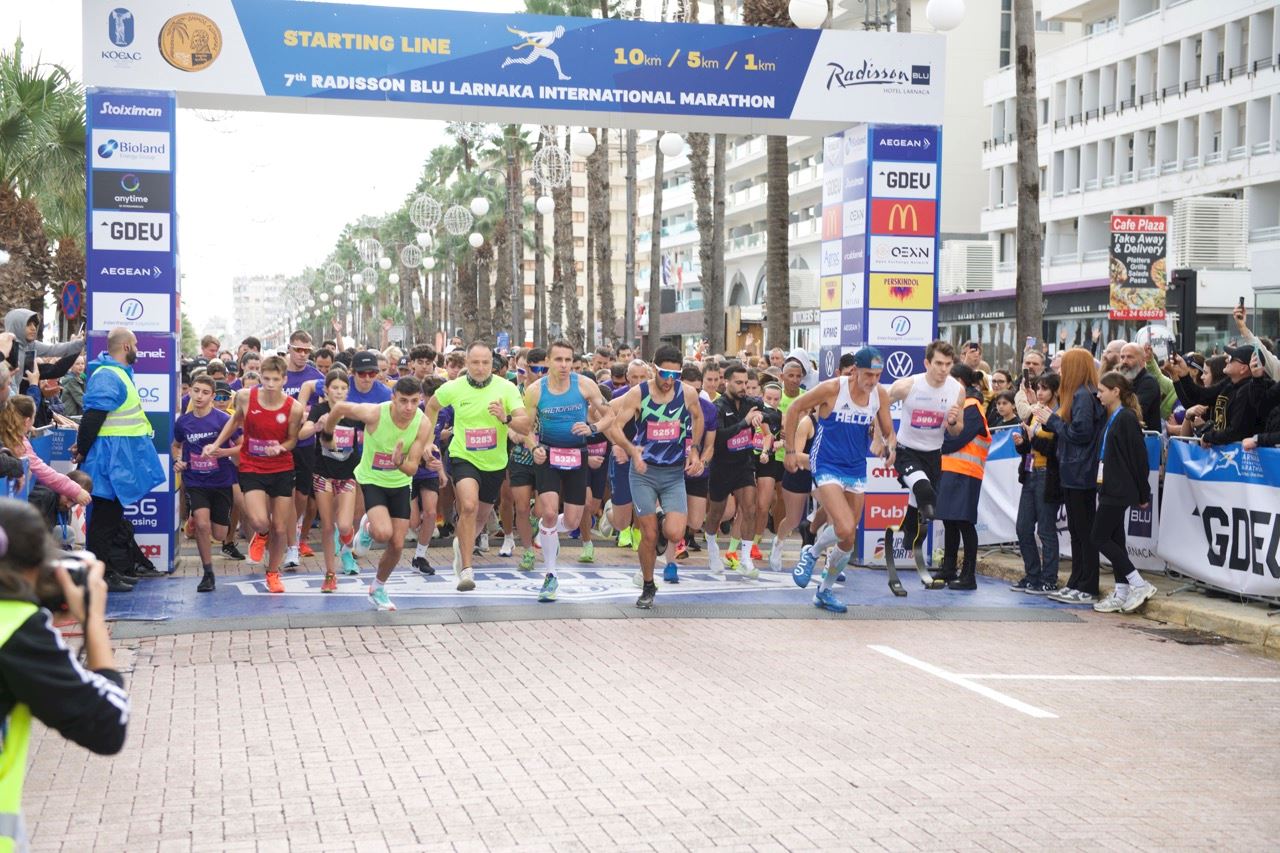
x=131 y=279
x=843 y=260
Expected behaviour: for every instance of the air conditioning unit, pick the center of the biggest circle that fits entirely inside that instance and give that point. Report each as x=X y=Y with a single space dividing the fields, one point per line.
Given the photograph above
x=967 y=265
x=1210 y=233
x=804 y=288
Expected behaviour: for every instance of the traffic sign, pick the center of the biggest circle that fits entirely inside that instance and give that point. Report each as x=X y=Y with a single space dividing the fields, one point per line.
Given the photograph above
x=72 y=299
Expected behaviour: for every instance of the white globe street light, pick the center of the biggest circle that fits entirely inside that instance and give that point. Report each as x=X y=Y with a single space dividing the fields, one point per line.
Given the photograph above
x=476 y=239
x=4 y=257
x=479 y=206
x=428 y=263
x=423 y=239
x=337 y=289
x=370 y=289
x=672 y=144
x=394 y=278
x=582 y=144
x=545 y=205
x=357 y=279
x=807 y=14
x=384 y=263
x=944 y=15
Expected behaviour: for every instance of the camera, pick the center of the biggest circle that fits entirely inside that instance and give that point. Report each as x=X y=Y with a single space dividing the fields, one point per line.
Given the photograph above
x=49 y=591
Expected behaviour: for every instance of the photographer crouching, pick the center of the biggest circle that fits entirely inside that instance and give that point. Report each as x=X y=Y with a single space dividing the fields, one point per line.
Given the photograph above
x=39 y=675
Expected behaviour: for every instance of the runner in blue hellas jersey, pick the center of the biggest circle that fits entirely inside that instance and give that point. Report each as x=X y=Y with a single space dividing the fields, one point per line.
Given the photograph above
x=669 y=427
x=849 y=408
x=565 y=403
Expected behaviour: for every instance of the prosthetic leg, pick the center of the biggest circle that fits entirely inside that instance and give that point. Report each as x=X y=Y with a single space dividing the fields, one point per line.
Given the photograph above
x=919 y=516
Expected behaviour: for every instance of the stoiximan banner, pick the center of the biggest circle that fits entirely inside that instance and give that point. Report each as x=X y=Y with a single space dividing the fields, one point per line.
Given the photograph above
x=329 y=57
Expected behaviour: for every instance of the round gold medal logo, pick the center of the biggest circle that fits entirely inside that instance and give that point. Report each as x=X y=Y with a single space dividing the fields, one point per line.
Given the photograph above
x=190 y=42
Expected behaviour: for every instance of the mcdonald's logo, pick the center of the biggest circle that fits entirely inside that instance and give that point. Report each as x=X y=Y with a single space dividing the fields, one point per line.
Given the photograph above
x=909 y=218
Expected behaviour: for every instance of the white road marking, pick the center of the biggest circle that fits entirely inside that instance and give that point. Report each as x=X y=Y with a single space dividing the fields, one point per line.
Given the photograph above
x=966 y=683
x=1225 y=679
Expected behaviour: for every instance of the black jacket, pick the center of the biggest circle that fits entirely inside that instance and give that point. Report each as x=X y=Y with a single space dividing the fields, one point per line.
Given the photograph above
x=1078 y=439
x=1149 y=397
x=1233 y=407
x=1269 y=410
x=733 y=416
x=1125 y=472
x=37 y=669
x=1046 y=444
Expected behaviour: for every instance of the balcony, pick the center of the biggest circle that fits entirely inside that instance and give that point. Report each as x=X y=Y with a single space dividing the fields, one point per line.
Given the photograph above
x=746 y=244
x=1265 y=235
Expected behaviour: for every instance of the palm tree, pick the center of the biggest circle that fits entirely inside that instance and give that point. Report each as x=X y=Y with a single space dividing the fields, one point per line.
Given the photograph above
x=563 y=230
x=42 y=143
x=1029 y=306
x=655 y=253
x=718 y=193
x=773 y=13
x=600 y=227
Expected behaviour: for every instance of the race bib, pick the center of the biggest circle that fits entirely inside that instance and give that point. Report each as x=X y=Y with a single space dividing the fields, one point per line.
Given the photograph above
x=564 y=458
x=741 y=441
x=344 y=437
x=599 y=449
x=662 y=430
x=202 y=464
x=925 y=419
x=384 y=462
x=757 y=440
x=259 y=446
x=481 y=439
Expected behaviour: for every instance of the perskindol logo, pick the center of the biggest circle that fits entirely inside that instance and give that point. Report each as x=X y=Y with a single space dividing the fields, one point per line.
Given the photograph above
x=1241 y=539
x=866 y=74
x=130 y=110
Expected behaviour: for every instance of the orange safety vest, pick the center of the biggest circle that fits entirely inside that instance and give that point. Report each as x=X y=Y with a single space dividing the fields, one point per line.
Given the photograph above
x=971 y=459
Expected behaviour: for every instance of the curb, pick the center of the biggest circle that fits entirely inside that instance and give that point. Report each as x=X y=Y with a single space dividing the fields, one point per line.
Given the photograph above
x=1245 y=623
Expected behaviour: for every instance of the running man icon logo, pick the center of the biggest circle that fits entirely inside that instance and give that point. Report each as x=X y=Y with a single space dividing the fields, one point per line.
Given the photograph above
x=899 y=364
x=540 y=42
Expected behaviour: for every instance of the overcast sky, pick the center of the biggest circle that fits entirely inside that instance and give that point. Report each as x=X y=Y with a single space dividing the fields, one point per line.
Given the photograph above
x=260 y=192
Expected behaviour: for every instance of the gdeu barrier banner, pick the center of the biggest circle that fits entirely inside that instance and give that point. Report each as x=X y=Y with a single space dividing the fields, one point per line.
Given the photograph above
x=1221 y=517
x=1001 y=492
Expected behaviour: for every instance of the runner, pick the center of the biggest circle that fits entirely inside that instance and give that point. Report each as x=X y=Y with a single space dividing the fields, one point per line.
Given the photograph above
x=334 y=479
x=563 y=401
x=597 y=488
x=733 y=469
x=768 y=442
x=695 y=487
x=206 y=481
x=797 y=488
x=929 y=400
x=396 y=438
x=300 y=372
x=271 y=421
x=427 y=482
x=668 y=434
x=793 y=373
x=484 y=406
x=620 y=468
x=849 y=408
x=520 y=472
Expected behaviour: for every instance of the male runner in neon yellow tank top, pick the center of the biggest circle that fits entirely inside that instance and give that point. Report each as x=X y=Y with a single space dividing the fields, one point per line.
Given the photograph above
x=395 y=437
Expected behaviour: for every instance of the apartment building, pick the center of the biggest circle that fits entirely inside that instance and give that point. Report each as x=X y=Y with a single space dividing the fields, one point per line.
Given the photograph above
x=1166 y=107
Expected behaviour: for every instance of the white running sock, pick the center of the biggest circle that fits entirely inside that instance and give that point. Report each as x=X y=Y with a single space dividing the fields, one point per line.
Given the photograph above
x=560 y=528
x=825 y=539
x=1134 y=578
x=713 y=547
x=420 y=551
x=1122 y=590
x=839 y=559
x=550 y=541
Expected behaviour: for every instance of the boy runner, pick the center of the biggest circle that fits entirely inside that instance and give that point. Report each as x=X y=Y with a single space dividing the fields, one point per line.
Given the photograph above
x=207 y=480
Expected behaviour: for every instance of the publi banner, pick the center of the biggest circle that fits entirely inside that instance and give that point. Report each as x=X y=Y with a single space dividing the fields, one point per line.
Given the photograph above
x=1220 y=521
x=461 y=65
x=1138 y=269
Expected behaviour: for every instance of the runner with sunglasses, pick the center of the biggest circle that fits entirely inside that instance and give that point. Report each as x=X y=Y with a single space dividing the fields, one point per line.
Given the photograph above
x=521 y=474
x=564 y=402
x=300 y=371
x=668 y=434
x=366 y=389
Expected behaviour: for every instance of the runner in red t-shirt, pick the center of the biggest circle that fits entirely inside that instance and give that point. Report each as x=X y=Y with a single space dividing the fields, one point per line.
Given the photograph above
x=271 y=422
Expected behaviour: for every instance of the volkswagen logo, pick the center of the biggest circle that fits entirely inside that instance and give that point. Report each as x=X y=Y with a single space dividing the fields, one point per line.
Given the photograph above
x=131 y=310
x=899 y=364
x=900 y=325
x=829 y=362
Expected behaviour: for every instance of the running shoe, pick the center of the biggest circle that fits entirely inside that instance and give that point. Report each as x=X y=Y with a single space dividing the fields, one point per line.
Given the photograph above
x=588 y=554
x=421 y=564
x=671 y=574
x=231 y=552
x=645 y=601
x=803 y=572
x=1113 y=603
x=1021 y=585
x=638 y=579
x=527 y=560
x=624 y=537
x=748 y=569
x=483 y=543
x=549 y=587
x=411 y=535
x=291 y=559
x=364 y=539
x=682 y=551
x=466 y=580
x=840 y=578
x=206 y=583
x=190 y=528
x=731 y=560
x=755 y=551
x=330 y=583
x=825 y=599
x=378 y=598
x=635 y=539
x=274 y=584
x=508 y=546
x=304 y=550
x=691 y=543
x=257 y=548
x=1138 y=596
x=349 y=564
x=775 y=556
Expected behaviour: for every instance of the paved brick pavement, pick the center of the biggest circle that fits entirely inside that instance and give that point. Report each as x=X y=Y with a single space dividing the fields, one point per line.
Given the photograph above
x=664 y=734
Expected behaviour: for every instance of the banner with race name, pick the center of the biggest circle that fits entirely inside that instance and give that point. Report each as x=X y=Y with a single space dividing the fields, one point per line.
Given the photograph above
x=1221 y=517
x=1001 y=492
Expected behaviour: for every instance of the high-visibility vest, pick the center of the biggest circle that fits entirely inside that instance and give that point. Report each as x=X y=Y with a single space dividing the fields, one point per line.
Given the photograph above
x=13 y=746
x=128 y=419
x=971 y=459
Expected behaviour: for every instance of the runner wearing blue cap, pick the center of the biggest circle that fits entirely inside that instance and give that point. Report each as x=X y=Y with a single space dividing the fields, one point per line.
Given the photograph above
x=849 y=408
